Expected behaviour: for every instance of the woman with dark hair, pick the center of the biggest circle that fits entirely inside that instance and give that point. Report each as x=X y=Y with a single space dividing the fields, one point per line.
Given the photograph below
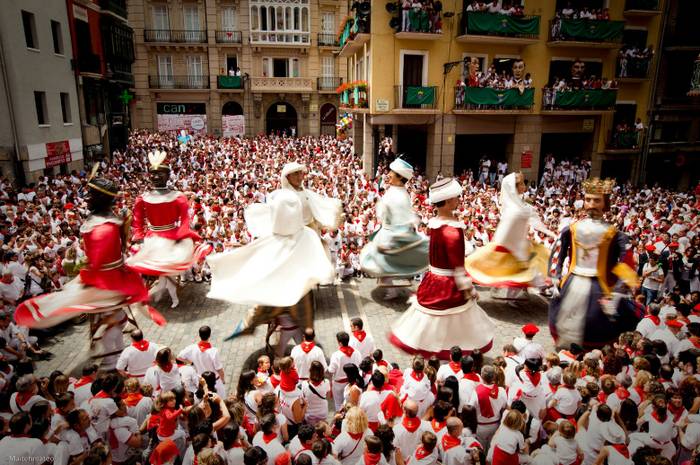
x=629 y=414
x=355 y=385
x=269 y=405
x=386 y=435
x=164 y=375
x=247 y=393
x=452 y=384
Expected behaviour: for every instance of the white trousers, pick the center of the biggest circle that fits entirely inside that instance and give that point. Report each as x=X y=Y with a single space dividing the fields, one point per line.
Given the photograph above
x=163 y=284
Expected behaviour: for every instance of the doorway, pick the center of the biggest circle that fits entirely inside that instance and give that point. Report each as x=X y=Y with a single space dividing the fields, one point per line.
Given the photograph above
x=471 y=149
x=412 y=72
x=571 y=146
x=281 y=118
x=413 y=142
x=620 y=170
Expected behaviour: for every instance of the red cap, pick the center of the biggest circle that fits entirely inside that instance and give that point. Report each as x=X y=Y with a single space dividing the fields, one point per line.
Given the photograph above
x=674 y=324
x=283 y=459
x=674 y=245
x=650 y=248
x=530 y=329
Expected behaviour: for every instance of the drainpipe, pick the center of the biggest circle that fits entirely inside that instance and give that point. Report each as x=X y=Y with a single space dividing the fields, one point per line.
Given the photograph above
x=642 y=168
x=19 y=169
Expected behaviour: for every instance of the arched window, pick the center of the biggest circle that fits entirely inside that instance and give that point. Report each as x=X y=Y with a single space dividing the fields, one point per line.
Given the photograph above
x=254 y=23
x=297 y=22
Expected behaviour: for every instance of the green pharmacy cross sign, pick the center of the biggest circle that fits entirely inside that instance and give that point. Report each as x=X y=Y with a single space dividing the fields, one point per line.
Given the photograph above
x=126 y=97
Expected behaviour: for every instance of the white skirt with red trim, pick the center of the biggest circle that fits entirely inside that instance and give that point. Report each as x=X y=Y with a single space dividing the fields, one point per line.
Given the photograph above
x=159 y=256
x=429 y=332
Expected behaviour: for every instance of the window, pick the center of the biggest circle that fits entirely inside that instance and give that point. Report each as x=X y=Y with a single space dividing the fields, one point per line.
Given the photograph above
x=165 y=71
x=42 y=116
x=228 y=18
x=281 y=67
x=65 y=108
x=277 y=21
x=57 y=37
x=191 y=17
x=195 y=73
x=29 y=29
x=161 y=21
x=328 y=23
x=231 y=63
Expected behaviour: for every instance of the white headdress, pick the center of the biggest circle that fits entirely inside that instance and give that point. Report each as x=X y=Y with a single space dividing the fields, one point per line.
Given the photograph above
x=156 y=159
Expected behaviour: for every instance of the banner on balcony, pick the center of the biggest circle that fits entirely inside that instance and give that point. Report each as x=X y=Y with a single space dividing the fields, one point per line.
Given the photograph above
x=230 y=82
x=493 y=23
x=233 y=125
x=192 y=123
x=585 y=99
x=505 y=98
x=420 y=95
x=593 y=30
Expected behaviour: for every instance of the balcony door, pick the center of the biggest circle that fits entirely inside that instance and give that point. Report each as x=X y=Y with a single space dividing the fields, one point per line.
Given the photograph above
x=228 y=19
x=191 y=23
x=327 y=72
x=161 y=23
x=165 y=71
x=195 y=72
x=412 y=75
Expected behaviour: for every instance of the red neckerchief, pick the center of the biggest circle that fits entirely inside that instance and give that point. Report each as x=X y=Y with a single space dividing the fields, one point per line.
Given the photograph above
x=23 y=397
x=167 y=367
x=655 y=414
x=448 y=442
x=622 y=449
x=622 y=393
x=483 y=393
x=372 y=459
x=455 y=366
x=417 y=376
x=356 y=436
x=140 y=345
x=654 y=319
x=421 y=453
x=675 y=411
x=640 y=392
x=472 y=377
x=382 y=363
x=360 y=335
x=204 y=345
x=269 y=437
x=411 y=424
x=83 y=381
x=554 y=387
x=289 y=380
x=602 y=397
x=101 y=395
x=347 y=350
x=307 y=346
x=534 y=377
x=695 y=341
x=133 y=398
x=437 y=426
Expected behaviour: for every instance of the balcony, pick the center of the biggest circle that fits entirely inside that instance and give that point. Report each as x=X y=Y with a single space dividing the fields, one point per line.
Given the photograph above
x=89 y=63
x=280 y=38
x=326 y=39
x=328 y=84
x=178 y=82
x=586 y=33
x=582 y=101
x=416 y=97
x=118 y=7
x=281 y=84
x=495 y=28
x=354 y=34
x=415 y=25
x=175 y=36
x=229 y=82
x=630 y=69
x=488 y=100
x=120 y=71
x=642 y=8
x=229 y=37
x=353 y=95
x=627 y=141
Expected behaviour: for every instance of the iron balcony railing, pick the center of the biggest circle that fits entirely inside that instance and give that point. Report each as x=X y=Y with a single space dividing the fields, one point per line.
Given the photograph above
x=178 y=82
x=328 y=82
x=416 y=97
x=229 y=37
x=327 y=39
x=631 y=67
x=176 y=36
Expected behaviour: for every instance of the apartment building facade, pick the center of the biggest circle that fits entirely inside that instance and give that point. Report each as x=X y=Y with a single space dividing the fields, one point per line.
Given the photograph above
x=41 y=132
x=410 y=79
x=236 y=67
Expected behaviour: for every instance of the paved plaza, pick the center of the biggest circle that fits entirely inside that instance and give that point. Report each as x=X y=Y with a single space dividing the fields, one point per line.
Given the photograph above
x=336 y=305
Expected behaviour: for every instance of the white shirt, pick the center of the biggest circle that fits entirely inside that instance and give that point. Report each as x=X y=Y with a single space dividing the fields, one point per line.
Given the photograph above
x=338 y=360
x=272 y=448
x=124 y=428
x=135 y=361
x=19 y=450
x=303 y=360
x=407 y=441
x=497 y=404
x=364 y=347
x=349 y=450
x=207 y=360
x=446 y=370
x=508 y=440
x=162 y=381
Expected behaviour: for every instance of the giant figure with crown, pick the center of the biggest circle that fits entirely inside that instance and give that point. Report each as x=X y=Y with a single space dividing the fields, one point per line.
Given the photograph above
x=592 y=307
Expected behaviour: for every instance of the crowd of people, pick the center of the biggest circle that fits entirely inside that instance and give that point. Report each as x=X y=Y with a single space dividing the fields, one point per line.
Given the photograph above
x=421 y=16
x=501 y=7
x=633 y=61
x=585 y=12
x=634 y=401
x=626 y=136
x=515 y=78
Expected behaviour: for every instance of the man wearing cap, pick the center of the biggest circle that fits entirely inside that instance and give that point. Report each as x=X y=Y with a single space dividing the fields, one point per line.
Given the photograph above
x=669 y=334
x=161 y=221
x=445 y=313
x=591 y=309
x=105 y=284
x=396 y=250
x=526 y=346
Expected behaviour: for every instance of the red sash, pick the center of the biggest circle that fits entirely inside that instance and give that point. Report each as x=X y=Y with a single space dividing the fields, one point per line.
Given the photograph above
x=484 y=394
x=502 y=458
x=622 y=449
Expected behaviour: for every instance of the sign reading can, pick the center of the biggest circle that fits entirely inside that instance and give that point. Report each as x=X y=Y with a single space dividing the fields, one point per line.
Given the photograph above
x=57 y=153
x=166 y=108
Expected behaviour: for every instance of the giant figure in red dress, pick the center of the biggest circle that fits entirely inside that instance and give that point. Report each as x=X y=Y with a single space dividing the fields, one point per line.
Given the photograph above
x=444 y=313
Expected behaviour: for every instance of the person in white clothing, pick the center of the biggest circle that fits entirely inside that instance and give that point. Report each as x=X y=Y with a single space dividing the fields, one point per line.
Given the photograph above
x=407 y=434
x=344 y=354
x=427 y=452
x=508 y=443
x=164 y=375
x=81 y=388
x=615 y=451
x=316 y=390
x=455 y=449
x=205 y=357
x=17 y=447
x=306 y=353
x=564 y=444
x=651 y=322
x=138 y=357
x=662 y=430
x=348 y=446
x=27 y=394
x=416 y=387
x=359 y=339
x=268 y=438
x=453 y=368
x=126 y=433
x=490 y=400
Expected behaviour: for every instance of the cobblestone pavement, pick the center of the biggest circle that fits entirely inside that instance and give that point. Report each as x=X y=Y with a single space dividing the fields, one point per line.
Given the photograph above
x=336 y=305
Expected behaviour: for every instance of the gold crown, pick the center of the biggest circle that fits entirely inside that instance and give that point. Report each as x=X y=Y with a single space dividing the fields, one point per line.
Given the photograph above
x=598 y=186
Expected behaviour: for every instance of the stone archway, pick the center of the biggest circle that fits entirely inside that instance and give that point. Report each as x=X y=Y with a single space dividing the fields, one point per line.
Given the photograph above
x=280 y=118
x=232 y=120
x=232 y=108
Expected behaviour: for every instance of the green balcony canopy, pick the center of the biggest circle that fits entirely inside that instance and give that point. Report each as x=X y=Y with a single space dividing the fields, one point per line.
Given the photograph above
x=586 y=98
x=420 y=95
x=592 y=30
x=504 y=98
x=494 y=23
x=230 y=82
